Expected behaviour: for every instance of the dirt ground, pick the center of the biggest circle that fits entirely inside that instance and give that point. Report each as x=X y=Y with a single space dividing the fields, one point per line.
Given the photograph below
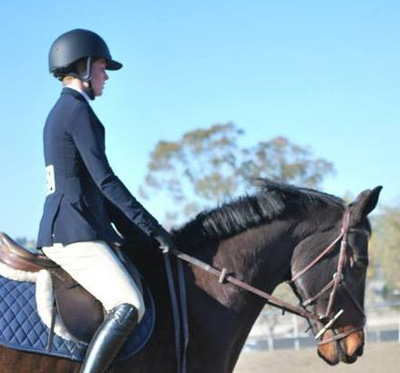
x=377 y=358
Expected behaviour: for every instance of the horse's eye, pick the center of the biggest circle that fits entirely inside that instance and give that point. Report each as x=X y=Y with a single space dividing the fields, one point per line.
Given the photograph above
x=358 y=245
x=359 y=263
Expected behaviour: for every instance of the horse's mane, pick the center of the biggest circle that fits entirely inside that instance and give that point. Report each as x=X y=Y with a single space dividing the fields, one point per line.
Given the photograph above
x=270 y=202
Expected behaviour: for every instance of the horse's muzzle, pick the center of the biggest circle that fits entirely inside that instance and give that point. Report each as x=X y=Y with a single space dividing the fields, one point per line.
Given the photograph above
x=345 y=350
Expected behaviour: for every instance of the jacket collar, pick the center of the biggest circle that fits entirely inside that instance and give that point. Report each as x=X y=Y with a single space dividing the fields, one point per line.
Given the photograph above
x=75 y=93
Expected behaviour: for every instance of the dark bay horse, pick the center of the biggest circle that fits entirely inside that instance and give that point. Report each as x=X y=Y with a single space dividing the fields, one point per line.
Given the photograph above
x=282 y=233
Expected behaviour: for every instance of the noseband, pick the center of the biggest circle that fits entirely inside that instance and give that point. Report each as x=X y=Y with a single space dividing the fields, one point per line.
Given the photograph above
x=327 y=320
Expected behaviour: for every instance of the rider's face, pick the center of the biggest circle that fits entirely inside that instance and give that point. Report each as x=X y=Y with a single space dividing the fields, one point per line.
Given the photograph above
x=99 y=76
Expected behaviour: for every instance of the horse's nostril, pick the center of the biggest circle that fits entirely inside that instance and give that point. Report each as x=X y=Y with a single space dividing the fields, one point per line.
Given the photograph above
x=352 y=359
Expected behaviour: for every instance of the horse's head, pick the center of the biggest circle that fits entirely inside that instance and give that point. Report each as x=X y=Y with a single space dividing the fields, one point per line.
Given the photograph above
x=328 y=273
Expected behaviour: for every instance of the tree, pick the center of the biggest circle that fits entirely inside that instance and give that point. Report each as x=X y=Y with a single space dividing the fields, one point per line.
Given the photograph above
x=386 y=243
x=207 y=166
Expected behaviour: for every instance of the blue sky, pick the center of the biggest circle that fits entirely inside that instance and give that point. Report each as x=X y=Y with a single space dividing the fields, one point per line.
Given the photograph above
x=323 y=73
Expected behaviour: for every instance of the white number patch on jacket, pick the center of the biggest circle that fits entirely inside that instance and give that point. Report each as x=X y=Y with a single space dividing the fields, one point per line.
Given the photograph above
x=50 y=180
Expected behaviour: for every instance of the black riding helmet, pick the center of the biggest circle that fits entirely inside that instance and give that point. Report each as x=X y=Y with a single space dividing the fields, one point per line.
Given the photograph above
x=75 y=45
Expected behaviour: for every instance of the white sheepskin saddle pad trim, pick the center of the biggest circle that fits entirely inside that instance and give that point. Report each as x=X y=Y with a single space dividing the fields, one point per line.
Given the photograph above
x=45 y=304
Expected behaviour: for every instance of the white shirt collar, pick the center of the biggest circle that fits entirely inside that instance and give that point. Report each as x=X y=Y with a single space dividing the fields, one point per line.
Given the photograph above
x=83 y=93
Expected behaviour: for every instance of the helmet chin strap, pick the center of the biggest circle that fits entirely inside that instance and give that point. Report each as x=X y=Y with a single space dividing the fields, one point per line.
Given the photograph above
x=88 y=78
x=90 y=91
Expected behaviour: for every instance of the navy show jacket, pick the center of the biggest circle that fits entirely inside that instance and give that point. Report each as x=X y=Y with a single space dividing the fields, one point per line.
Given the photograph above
x=84 y=195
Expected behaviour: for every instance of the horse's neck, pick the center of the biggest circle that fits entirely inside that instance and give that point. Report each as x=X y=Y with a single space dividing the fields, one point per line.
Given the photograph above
x=261 y=257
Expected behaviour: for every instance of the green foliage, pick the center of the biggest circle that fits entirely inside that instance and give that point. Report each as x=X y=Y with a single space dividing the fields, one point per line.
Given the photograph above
x=283 y=161
x=386 y=244
x=207 y=166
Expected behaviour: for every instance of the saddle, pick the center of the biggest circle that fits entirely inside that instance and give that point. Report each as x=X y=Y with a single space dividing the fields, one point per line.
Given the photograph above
x=78 y=310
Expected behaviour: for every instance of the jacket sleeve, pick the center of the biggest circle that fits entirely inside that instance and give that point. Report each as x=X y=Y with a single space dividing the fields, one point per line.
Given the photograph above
x=124 y=226
x=88 y=135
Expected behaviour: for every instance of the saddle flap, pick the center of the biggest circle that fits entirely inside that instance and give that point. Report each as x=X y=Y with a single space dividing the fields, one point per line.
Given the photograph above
x=79 y=311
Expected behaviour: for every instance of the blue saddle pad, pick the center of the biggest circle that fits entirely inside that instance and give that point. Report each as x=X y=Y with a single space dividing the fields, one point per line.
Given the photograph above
x=22 y=329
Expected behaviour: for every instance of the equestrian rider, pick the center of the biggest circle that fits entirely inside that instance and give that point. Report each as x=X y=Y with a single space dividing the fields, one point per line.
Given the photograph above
x=85 y=196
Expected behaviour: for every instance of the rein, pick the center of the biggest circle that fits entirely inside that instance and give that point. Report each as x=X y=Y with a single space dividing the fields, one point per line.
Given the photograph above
x=326 y=320
x=224 y=277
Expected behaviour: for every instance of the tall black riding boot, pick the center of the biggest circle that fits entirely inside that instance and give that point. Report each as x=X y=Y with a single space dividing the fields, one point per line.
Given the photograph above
x=109 y=338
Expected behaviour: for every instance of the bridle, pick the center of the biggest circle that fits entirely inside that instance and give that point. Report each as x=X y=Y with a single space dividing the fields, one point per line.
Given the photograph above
x=327 y=320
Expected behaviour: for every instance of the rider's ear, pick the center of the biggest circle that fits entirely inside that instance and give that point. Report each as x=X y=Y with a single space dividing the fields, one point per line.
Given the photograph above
x=364 y=203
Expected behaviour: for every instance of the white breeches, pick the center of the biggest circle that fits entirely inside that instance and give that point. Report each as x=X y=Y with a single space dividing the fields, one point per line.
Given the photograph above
x=95 y=266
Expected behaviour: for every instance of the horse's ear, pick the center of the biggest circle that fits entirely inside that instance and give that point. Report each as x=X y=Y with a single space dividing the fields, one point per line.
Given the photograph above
x=365 y=203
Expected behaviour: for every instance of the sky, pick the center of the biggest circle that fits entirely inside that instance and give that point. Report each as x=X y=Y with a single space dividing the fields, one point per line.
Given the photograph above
x=325 y=74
